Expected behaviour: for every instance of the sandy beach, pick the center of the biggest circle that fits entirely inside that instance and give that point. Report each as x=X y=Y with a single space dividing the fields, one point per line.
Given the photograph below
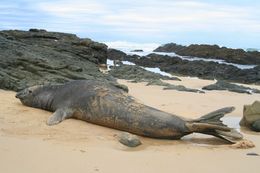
x=27 y=144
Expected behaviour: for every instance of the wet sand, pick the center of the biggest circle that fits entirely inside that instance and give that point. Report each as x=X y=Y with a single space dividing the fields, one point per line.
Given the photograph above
x=27 y=144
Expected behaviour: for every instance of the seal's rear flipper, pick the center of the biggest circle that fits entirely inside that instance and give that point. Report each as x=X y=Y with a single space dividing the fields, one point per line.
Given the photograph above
x=232 y=136
x=59 y=115
x=212 y=125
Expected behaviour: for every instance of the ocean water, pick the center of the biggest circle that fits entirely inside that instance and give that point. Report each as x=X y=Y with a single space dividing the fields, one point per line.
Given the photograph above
x=128 y=47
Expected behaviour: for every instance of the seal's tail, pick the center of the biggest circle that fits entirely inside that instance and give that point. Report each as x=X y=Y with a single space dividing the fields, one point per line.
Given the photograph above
x=212 y=125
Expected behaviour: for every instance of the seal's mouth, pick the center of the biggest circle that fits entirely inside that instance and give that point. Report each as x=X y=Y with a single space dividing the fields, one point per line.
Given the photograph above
x=19 y=95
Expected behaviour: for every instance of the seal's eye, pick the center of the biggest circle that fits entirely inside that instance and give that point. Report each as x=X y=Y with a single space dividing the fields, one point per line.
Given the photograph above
x=30 y=91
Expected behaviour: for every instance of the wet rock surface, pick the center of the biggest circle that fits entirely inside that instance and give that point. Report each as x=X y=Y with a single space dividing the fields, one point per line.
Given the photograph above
x=136 y=74
x=168 y=86
x=182 y=88
x=38 y=57
x=137 y=50
x=238 y=56
x=222 y=85
x=115 y=54
x=201 y=69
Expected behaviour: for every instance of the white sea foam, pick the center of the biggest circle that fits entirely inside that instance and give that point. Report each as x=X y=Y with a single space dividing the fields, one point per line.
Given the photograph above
x=110 y=62
x=128 y=63
x=157 y=70
x=130 y=46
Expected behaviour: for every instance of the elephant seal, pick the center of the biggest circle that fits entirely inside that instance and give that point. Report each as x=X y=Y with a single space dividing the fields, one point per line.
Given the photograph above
x=108 y=105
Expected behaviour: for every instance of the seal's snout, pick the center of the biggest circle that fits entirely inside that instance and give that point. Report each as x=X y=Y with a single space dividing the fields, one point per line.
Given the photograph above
x=18 y=95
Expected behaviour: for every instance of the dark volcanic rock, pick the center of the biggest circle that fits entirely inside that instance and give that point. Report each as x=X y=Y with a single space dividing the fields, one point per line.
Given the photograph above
x=137 y=50
x=114 y=54
x=222 y=85
x=38 y=56
x=168 y=86
x=136 y=74
x=238 y=56
x=201 y=69
x=158 y=82
x=182 y=88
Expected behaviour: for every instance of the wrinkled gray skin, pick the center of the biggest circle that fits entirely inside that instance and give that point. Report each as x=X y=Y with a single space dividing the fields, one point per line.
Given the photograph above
x=107 y=105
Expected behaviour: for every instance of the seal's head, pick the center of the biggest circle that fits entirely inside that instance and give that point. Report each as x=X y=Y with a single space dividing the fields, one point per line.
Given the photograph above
x=27 y=96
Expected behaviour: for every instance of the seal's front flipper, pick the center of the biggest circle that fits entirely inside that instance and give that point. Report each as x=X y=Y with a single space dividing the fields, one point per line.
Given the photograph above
x=59 y=115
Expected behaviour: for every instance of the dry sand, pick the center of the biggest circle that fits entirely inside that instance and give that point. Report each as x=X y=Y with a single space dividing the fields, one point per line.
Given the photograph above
x=27 y=144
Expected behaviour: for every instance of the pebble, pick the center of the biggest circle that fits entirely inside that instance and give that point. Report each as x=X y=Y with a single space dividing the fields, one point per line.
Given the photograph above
x=129 y=140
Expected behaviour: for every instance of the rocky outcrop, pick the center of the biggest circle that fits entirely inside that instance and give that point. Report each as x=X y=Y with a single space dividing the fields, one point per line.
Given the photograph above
x=114 y=54
x=38 y=57
x=182 y=88
x=168 y=86
x=238 y=56
x=251 y=116
x=137 y=50
x=201 y=69
x=222 y=85
x=136 y=74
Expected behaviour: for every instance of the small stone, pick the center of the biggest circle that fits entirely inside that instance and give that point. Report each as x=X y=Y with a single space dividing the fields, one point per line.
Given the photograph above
x=37 y=30
x=137 y=50
x=83 y=151
x=252 y=154
x=129 y=140
x=223 y=85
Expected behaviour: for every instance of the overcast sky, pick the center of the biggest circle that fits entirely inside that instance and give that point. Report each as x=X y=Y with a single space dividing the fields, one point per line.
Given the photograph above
x=232 y=23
